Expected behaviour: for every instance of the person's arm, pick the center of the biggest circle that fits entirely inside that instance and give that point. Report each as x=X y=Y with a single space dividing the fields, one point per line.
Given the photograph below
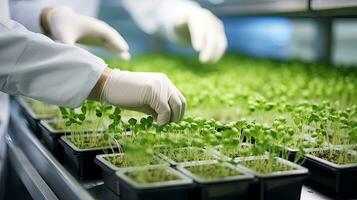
x=32 y=65
x=182 y=22
x=62 y=23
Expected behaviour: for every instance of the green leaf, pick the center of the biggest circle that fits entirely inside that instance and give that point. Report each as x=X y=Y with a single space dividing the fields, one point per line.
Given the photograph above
x=132 y=121
x=84 y=109
x=81 y=117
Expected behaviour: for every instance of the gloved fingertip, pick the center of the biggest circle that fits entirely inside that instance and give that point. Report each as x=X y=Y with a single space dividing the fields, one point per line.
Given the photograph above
x=163 y=119
x=162 y=122
x=219 y=56
x=203 y=59
x=196 y=47
x=124 y=55
x=214 y=59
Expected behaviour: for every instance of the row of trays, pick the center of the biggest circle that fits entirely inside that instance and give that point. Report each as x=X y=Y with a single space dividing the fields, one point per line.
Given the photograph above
x=92 y=164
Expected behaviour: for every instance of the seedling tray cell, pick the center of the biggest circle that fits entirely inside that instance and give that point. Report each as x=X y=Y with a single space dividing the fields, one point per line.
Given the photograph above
x=51 y=137
x=341 y=179
x=81 y=161
x=32 y=119
x=227 y=188
x=173 y=190
x=277 y=185
x=109 y=170
x=206 y=155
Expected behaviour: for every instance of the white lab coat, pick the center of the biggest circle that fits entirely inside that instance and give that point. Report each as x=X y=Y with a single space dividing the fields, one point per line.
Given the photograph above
x=33 y=65
x=4 y=114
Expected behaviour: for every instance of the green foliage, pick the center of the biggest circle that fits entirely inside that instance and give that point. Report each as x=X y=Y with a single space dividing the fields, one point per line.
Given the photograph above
x=266 y=166
x=267 y=104
x=336 y=156
x=124 y=160
x=186 y=154
x=83 y=141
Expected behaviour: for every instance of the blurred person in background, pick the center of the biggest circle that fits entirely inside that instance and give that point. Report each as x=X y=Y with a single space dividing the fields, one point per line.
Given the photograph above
x=180 y=21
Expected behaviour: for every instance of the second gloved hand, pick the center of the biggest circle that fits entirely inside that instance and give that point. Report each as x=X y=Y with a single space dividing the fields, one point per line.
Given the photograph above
x=206 y=32
x=69 y=27
x=150 y=93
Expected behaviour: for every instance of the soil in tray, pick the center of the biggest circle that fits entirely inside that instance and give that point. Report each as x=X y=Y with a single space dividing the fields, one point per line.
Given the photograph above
x=266 y=166
x=212 y=171
x=61 y=126
x=83 y=142
x=152 y=176
x=47 y=113
x=336 y=156
x=123 y=161
x=42 y=109
x=234 y=152
x=186 y=154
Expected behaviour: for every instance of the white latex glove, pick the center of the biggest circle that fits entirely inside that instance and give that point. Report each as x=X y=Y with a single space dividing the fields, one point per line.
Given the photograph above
x=206 y=32
x=150 y=93
x=69 y=27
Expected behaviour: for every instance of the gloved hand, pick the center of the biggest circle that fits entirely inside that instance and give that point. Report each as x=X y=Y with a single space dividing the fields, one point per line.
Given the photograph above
x=206 y=32
x=69 y=27
x=150 y=93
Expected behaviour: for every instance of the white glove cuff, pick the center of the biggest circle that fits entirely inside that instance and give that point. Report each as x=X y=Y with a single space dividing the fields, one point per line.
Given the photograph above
x=103 y=93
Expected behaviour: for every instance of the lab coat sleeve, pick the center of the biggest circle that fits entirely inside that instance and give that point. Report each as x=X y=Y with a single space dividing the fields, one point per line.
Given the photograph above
x=33 y=65
x=159 y=16
x=27 y=13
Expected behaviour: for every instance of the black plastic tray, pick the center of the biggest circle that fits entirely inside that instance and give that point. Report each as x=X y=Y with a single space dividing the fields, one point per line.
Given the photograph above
x=280 y=185
x=172 y=190
x=32 y=119
x=80 y=162
x=109 y=170
x=341 y=179
x=230 y=188
x=50 y=137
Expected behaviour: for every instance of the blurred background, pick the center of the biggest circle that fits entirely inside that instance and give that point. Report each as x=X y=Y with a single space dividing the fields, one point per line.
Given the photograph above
x=309 y=30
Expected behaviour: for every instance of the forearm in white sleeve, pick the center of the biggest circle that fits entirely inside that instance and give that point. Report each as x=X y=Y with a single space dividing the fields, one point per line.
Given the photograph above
x=159 y=16
x=27 y=13
x=33 y=65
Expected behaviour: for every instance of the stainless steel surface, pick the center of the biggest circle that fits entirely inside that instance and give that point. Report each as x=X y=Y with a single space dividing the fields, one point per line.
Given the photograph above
x=332 y=4
x=55 y=175
x=292 y=8
x=34 y=183
x=308 y=193
x=257 y=7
